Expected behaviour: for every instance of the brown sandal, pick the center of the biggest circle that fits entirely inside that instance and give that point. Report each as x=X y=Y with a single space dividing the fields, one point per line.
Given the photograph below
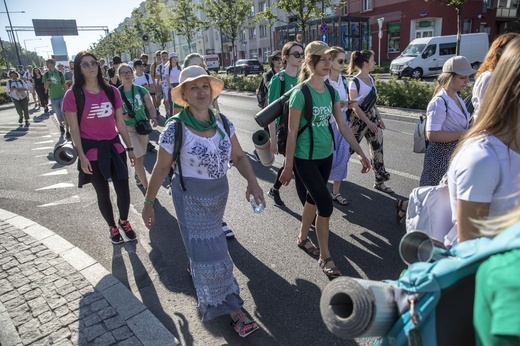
x=333 y=272
x=311 y=250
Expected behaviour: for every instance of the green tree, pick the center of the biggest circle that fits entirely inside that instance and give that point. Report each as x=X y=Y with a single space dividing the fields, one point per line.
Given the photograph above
x=156 y=24
x=139 y=27
x=457 y=4
x=229 y=16
x=306 y=10
x=184 y=21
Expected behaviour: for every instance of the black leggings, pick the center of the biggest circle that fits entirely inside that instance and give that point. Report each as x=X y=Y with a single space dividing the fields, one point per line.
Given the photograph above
x=311 y=177
x=103 y=192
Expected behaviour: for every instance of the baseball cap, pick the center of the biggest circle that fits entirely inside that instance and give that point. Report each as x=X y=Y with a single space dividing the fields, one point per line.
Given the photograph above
x=275 y=53
x=317 y=48
x=117 y=60
x=173 y=55
x=458 y=64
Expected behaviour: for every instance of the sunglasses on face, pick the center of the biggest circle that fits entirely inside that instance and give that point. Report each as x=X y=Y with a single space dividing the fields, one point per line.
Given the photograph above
x=297 y=55
x=86 y=64
x=277 y=58
x=126 y=73
x=341 y=61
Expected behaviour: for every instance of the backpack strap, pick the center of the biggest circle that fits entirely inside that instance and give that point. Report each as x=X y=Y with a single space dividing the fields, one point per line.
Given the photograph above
x=177 y=145
x=358 y=86
x=225 y=122
x=281 y=76
x=80 y=102
x=308 y=116
x=147 y=76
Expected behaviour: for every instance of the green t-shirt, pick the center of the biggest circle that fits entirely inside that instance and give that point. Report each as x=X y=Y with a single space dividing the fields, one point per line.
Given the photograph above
x=56 y=87
x=322 y=111
x=137 y=103
x=496 y=314
x=273 y=90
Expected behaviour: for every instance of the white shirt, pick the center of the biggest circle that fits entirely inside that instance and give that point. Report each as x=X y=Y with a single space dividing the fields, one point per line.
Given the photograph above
x=141 y=80
x=485 y=170
x=479 y=89
x=364 y=89
x=19 y=83
x=175 y=73
x=343 y=93
x=453 y=120
x=201 y=157
x=27 y=77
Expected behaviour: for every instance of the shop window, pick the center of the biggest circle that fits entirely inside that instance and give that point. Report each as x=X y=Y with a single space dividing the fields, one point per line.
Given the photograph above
x=394 y=34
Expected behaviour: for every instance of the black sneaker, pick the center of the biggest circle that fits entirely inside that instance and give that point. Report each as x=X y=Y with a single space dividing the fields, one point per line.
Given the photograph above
x=62 y=129
x=227 y=231
x=46 y=109
x=275 y=194
x=27 y=123
x=67 y=135
x=129 y=232
x=150 y=147
x=115 y=236
x=20 y=120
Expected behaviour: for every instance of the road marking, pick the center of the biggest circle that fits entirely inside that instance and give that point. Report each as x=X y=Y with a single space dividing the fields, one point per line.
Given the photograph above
x=46 y=155
x=73 y=199
x=43 y=142
x=56 y=186
x=43 y=148
x=59 y=172
x=46 y=136
x=393 y=171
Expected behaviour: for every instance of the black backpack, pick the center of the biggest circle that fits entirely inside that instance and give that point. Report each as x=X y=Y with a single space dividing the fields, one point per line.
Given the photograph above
x=283 y=125
x=80 y=100
x=179 y=138
x=469 y=104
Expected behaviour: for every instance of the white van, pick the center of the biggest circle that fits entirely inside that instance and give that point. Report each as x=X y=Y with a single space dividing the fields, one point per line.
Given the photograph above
x=426 y=56
x=212 y=62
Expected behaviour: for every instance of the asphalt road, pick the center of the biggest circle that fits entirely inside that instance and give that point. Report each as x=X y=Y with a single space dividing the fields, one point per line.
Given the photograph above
x=280 y=284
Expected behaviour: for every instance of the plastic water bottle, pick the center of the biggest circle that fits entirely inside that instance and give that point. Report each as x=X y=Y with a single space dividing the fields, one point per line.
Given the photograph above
x=258 y=208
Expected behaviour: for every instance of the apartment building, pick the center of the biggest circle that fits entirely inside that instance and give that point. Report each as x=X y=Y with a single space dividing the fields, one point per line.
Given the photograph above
x=353 y=26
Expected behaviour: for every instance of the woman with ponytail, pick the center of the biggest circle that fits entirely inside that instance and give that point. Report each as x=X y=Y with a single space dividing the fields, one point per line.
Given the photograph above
x=310 y=152
x=367 y=120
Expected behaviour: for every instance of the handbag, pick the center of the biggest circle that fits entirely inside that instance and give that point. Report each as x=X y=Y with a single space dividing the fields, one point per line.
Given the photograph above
x=429 y=211
x=419 y=136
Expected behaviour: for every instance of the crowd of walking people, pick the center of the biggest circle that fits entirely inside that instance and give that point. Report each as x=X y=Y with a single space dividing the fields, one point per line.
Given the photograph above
x=109 y=112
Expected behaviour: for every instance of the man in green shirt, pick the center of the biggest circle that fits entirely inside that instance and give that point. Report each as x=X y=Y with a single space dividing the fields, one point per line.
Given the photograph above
x=55 y=86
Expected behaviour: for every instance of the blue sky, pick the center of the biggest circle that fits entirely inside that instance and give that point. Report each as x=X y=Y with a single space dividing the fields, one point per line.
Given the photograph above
x=108 y=13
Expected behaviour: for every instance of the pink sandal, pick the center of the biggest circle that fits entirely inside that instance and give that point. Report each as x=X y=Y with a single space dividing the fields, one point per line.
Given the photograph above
x=243 y=325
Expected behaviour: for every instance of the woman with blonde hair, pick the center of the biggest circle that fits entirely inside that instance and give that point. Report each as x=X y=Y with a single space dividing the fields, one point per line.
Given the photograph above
x=486 y=69
x=309 y=151
x=483 y=178
x=341 y=157
x=447 y=119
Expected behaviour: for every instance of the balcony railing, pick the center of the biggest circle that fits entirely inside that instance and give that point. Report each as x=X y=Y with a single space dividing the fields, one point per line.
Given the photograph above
x=505 y=12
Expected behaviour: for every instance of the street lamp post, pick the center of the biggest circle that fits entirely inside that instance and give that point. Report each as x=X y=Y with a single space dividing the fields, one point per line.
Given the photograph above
x=12 y=33
x=380 y=22
x=25 y=46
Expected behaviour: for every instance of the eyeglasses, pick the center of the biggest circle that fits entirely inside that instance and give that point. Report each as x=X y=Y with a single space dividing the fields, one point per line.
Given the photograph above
x=126 y=74
x=86 y=64
x=341 y=61
x=277 y=58
x=297 y=55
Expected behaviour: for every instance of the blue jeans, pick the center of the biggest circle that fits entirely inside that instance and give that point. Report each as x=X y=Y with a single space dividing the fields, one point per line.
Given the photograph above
x=56 y=107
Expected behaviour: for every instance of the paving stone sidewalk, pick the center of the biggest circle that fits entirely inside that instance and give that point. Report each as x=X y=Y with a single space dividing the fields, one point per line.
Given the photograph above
x=52 y=293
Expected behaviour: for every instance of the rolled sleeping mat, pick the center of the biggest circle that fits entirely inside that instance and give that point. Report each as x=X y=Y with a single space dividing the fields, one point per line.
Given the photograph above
x=263 y=147
x=65 y=154
x=269 y=114
x=419 y=247
x=353 y=308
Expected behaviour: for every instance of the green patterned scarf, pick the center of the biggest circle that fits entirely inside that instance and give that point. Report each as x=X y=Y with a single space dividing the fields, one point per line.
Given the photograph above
x=198 y=125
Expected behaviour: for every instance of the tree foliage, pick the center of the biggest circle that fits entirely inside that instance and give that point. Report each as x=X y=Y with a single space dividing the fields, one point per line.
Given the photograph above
x=156 y=24
x=184 y=21
x=229 y=16
x=305 y=11
x=8 y=57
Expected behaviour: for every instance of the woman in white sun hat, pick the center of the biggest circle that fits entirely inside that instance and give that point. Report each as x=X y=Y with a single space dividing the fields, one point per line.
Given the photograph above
x=201 y=200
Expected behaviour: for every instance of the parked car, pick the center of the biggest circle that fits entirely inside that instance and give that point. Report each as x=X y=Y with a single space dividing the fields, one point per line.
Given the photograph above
x=426 y=56
x=246 y=66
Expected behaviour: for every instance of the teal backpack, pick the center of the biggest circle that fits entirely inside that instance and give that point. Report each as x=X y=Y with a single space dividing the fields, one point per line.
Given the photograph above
x=430 y=304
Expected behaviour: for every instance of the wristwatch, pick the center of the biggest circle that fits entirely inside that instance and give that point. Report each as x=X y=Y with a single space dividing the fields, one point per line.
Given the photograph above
x=129 y=149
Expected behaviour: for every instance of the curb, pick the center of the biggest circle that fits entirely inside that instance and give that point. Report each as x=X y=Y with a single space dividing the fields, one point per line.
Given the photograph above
x=145 y=326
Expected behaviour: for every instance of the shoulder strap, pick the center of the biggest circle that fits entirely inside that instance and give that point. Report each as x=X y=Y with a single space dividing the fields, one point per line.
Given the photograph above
x=147 y=76
x=345 y=85
x=308 y=116
x=356 y=81
x=177 y=145
x=225 y=122
x=80 y=102
x=281 y=77
x=123 y=96
x=46 y=75
x=10 y=84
